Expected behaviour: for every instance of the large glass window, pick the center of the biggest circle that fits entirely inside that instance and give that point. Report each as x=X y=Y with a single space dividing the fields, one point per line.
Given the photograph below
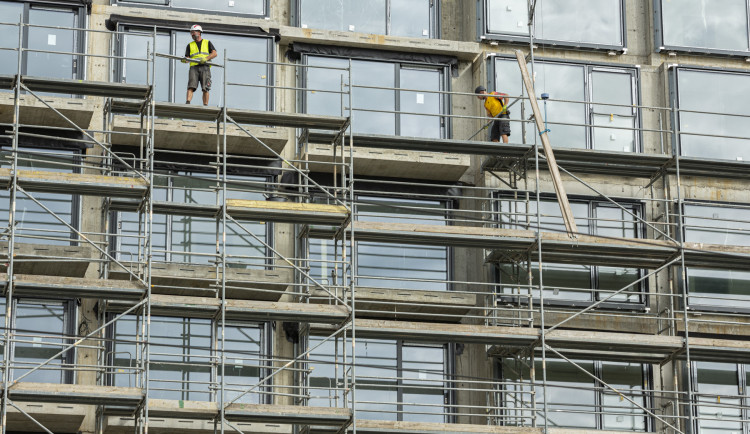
x=578 y=284
x=410 y=18
x=395 y=380
x=573 y=23
x=183 y=355
x=719 y=392
x=190 y=239
x=595 y=110
x=43 y=42
x=246 y=80
x=724 y=224
x=392 y=265
x=378 y=99
x=575 y=399
x=33 y=223
x=714 y=25
x=711 y=105
x=249 y=7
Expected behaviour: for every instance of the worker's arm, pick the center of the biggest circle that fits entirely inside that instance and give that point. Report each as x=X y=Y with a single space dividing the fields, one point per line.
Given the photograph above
x=211 y=56
x=505 y=101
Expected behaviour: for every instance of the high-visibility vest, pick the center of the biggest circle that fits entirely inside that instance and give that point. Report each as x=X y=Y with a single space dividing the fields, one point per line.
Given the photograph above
x=494 y=104
x=198 y=54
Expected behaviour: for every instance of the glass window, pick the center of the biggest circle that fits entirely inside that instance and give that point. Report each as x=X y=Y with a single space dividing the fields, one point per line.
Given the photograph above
x=707 y=24
x=246 y=362
x=41 y=331
x=12 y=13
x=719 y=97
x=724 y=224
x=591 y=95
x=249 y=7
x=575 y=399
x=376 y=101
x=574 y=283
x=246 y=81
x=188 y=239
x=410 y=18
x=34 y=223
x=719 y=403
x=575 y=22
x=395 y=380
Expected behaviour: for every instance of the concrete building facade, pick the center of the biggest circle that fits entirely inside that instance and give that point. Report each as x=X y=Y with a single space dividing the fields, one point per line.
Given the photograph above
x=332 y=244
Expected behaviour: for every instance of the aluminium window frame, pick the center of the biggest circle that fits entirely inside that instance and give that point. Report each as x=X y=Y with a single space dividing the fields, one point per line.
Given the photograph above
x=589 y=68
x=483 y=33
x=119 y=45
x=660 y=46
x=446 y=120
x=136 y=4
x=638 y=208
x=435 y=21
x=648 y=396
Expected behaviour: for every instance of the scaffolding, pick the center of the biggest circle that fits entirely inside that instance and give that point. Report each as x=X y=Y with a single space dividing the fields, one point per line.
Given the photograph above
x=326 y=304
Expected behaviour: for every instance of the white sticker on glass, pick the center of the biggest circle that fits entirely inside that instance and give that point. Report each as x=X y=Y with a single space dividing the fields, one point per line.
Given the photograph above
x=425 y=32
x=422 y=375
x=51 y=39
x=231 y=3
x=304 y=26
x=420 y=98
x=520 y=24
x=35 y=344
x=351 y=27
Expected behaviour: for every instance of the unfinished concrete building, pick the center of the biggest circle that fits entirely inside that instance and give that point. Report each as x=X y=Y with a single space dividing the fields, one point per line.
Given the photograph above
x=333 y=245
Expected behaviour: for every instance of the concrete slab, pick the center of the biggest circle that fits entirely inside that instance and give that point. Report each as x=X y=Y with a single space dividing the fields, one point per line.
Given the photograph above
x=292 y=414
x=200 y=280
x=393 y=164
x=48 y=260
x=188 y=135
x=77 y=183
x=35 y=112
x=380 y=426
x=403 y=304
x=74 y=287
x=65 y=418
x=164 y=425
x=75 y=394
x=287 y=212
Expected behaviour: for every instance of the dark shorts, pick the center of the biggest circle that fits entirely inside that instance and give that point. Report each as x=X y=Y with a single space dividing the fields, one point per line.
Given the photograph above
x=199 y=74
x=500 y=128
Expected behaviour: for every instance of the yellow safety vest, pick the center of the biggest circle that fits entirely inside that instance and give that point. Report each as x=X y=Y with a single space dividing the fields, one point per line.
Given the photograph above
x=199 y=54
x=494 y=104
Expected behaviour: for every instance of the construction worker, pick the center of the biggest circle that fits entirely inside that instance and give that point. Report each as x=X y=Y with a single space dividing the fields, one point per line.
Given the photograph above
x=496 y=107
x=199 y=52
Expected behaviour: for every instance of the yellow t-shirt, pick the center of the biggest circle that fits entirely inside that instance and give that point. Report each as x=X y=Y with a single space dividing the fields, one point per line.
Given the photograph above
x=494 y=105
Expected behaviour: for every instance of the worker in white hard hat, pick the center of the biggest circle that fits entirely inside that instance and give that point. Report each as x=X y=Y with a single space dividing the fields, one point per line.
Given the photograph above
x=199 y=52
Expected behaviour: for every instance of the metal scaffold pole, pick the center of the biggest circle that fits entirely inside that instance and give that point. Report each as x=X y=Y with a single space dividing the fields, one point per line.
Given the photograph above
x=223 y=258
x=7 y=334
x=352 y=256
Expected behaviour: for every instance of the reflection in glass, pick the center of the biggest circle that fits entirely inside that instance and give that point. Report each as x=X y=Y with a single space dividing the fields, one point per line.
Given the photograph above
x=45 y=64
x=244 y=364
x=410 y=18
x=712 y=24
x=718 y=402
x=40 y=328
x=574 y=21
x=252 y=7
x=12 y=13
x=420 y=102
x=613 y=88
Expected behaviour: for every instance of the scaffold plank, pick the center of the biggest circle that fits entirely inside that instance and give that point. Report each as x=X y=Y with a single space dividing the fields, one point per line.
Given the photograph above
x=76 y=183
x=86 y=87
x=209 y=307
x=56 y=286
x=75 y=394
x=288 y=212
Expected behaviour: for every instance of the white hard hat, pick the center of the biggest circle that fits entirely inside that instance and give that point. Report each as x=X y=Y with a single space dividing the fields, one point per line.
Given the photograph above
x=196 y=28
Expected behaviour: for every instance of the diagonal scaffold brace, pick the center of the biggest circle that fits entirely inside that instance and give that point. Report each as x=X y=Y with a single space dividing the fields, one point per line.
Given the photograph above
x=562 y=196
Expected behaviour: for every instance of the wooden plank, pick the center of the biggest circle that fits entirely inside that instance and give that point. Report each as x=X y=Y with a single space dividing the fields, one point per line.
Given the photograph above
x=562 y=197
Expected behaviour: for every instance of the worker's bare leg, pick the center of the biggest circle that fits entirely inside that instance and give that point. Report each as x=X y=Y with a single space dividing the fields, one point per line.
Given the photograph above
x=505 y=138
x=205 y=98
x=189 y=95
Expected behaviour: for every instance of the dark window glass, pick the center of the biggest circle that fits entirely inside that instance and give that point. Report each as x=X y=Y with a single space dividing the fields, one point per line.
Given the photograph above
x=724 y=225
x=597 y=22
x=410 y=18
x=720 y=98
x=708 y=24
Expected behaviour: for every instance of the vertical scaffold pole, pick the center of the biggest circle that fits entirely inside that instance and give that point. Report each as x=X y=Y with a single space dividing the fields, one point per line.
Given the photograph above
x=223 y=244
x=12 y=229
x=352 y=256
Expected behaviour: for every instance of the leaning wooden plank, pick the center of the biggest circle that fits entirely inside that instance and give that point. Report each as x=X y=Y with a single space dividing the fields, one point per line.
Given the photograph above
x=562 y=197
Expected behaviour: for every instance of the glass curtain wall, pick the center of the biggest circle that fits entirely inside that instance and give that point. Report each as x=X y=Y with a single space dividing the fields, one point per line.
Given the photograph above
x=710 y=25
x=396 y=380
x=377 y=104
x=576 y=284
x=410 y=18
x=723 y=224
x=171 y=75
x=596 y=108
x=244 y=7
x=575 y=22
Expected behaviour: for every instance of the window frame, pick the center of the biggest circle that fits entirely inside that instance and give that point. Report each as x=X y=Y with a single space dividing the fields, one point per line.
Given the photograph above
x=597 y=388
x=435 y=27
x=136 y=4
x=593 y=204
x=138 y=28
x=589 y=68
x=484 y=34
x=446 y=120
x=660 y=46
x=741 y=372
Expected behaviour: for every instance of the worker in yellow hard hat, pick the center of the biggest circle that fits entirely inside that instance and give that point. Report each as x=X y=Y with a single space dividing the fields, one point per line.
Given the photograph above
x=199 y=52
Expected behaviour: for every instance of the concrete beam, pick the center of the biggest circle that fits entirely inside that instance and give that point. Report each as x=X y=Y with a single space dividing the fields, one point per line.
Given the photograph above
x=64 y=418
x=48 y=260
x=76 y=183
x=34 y=112
x=75 y=394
